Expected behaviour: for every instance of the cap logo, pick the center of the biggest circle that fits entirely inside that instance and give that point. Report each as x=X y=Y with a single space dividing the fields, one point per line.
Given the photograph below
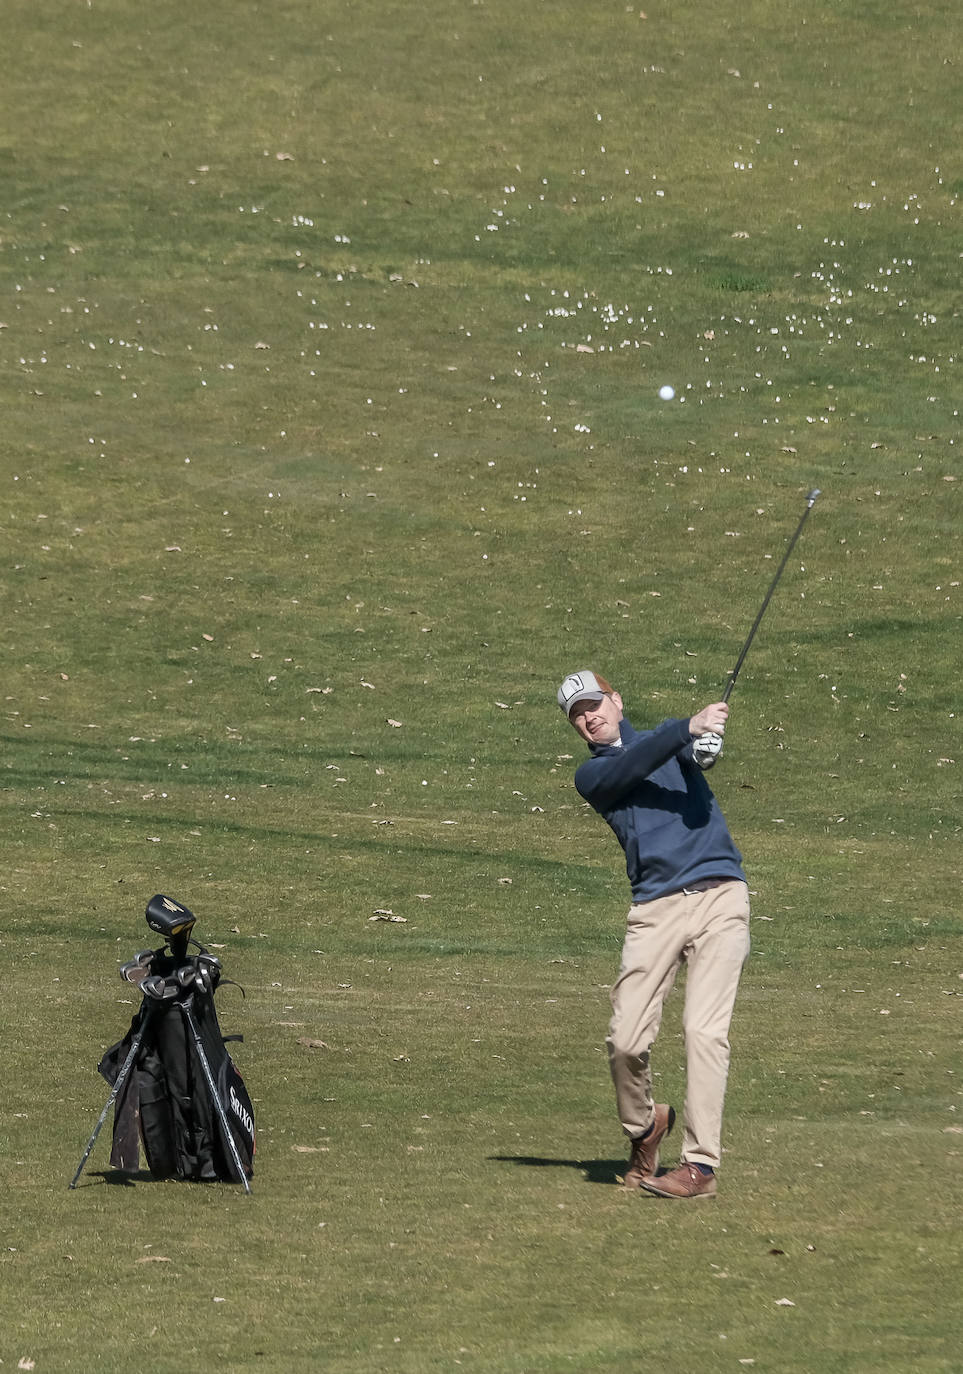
x=574 y=683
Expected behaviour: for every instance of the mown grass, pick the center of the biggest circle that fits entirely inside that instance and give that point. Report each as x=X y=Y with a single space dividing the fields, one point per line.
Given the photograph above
x=333 y=337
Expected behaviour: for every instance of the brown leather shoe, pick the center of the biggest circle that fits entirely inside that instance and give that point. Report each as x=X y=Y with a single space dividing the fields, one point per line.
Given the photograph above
x=686 y=1181
x=644 y=1159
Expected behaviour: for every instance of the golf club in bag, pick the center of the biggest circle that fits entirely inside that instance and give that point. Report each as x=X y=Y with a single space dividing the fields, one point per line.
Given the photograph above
x=175 y=1089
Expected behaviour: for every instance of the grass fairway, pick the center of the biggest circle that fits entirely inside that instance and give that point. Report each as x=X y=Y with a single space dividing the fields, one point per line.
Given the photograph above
x=330 y=345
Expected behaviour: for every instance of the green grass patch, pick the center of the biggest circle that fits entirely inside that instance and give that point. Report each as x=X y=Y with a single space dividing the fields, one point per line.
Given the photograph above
x=331 y=348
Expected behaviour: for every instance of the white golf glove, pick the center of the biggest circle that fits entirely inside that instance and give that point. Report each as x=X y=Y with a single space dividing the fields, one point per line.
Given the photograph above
x=706 y=749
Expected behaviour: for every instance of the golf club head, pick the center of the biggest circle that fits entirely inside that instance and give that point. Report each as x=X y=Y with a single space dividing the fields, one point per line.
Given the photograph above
x=185 y=975
x=135 y=970
x=161 y=989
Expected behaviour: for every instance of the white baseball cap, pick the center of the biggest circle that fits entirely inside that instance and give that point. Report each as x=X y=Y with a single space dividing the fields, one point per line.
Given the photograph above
x=582 y=686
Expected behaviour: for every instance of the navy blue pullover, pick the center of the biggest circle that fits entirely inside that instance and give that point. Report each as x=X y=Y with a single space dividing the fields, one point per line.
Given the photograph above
x=656 y=799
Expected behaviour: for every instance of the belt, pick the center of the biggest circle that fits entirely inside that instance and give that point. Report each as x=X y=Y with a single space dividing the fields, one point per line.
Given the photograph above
x=704 y=885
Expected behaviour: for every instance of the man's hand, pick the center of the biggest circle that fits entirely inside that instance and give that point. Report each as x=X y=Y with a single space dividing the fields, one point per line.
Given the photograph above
x=706 y=749
x=710 y=720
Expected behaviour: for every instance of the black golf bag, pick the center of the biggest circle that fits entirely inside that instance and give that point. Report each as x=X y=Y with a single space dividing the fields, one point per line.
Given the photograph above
x=176 y=1089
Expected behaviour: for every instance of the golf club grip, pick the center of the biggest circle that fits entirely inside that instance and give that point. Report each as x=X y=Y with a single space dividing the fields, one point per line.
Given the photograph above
x=810 y=500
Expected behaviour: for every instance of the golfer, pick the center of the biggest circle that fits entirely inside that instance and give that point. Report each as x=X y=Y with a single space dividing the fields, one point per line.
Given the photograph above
x=690 y=905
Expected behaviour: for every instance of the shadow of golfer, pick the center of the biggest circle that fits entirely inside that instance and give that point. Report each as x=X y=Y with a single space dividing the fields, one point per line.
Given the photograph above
x=608 y=1171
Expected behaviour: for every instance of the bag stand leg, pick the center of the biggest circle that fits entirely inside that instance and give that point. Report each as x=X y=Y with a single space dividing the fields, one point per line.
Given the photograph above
x=215 y=1096
x=119 y=1081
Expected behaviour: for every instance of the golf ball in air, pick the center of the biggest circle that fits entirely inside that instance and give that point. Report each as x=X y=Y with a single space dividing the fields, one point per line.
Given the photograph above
x=666 y=393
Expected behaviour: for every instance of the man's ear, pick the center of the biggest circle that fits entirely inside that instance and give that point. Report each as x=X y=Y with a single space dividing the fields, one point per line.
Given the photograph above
x=616 y=697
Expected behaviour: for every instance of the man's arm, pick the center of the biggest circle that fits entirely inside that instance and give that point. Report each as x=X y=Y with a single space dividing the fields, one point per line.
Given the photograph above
x=604 y=780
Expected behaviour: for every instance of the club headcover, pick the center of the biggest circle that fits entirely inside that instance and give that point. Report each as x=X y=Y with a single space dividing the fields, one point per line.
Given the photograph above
x=169 y=918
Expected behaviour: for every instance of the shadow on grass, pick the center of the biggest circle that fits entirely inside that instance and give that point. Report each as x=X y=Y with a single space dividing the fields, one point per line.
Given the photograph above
x=608 y=1171
x=119 y=1178
x=122 y=1179
x=115 y=1176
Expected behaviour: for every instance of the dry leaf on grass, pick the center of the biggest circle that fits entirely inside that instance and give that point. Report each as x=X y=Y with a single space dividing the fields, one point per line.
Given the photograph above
x=313 y=1044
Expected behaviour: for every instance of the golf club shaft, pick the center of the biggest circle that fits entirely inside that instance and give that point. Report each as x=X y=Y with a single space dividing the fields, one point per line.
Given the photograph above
x=216 y=1102
x=810 y=502
x=119 y=1082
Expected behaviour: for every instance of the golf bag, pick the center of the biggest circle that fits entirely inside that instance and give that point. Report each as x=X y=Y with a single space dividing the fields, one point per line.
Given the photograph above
x=175 y=1087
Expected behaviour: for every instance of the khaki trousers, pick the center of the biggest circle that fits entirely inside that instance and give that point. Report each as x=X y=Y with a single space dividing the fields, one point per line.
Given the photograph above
x=708 y=931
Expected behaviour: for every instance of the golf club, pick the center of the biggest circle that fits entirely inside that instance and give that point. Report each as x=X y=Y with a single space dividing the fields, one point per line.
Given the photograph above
x=226 y=1132
x=136 y=969
x=810 y=502
x=173 y=921
x=161 y=989
x=119 y=1082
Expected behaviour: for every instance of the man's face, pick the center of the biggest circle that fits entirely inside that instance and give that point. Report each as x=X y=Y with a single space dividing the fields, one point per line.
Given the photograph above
x=598 y=721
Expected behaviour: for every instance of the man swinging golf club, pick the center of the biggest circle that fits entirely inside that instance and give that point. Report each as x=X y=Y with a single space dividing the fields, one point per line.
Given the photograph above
x=690 y=905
